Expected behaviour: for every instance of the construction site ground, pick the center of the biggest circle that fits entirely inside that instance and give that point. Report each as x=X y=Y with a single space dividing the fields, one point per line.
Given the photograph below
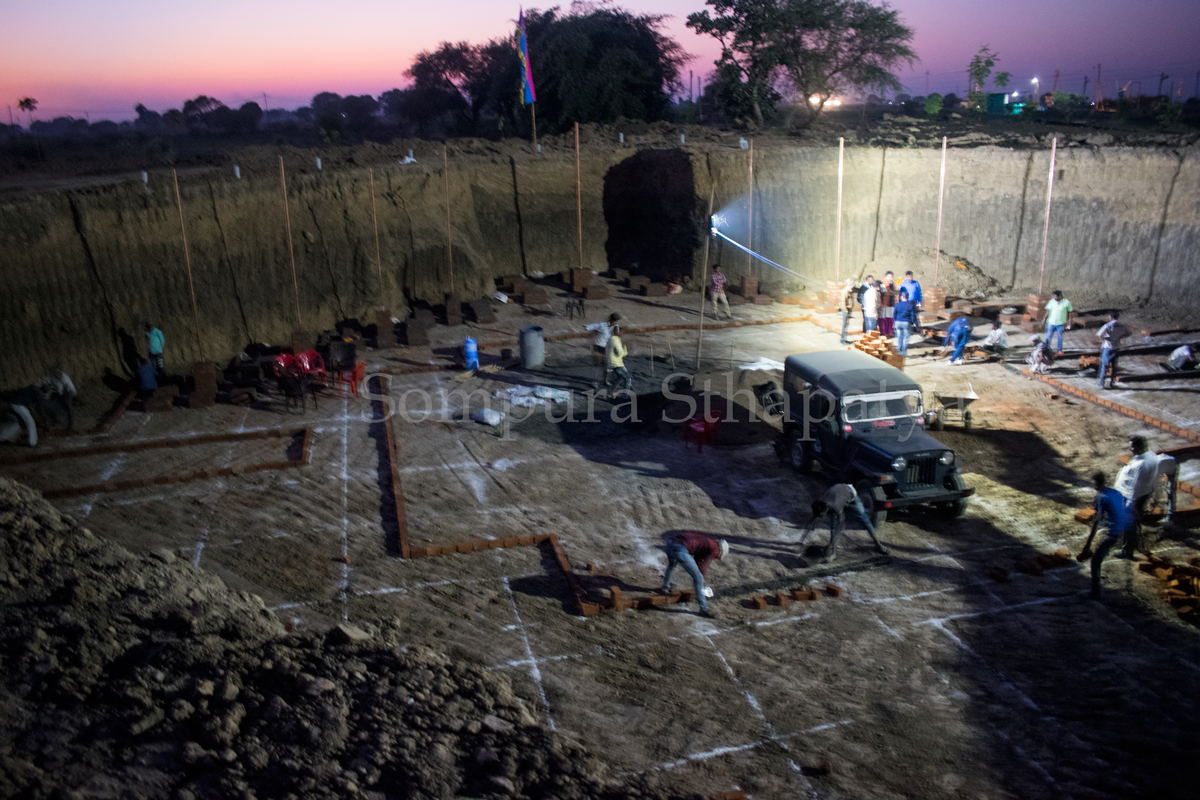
x=926 y=678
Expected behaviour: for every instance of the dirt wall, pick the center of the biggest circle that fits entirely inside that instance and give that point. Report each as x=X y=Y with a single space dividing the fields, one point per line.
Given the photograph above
x=85 y=263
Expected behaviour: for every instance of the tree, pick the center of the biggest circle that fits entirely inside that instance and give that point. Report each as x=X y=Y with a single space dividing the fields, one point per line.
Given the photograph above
x=978 y=71
x=28 y=105
x=933 y=105
x=818 y=47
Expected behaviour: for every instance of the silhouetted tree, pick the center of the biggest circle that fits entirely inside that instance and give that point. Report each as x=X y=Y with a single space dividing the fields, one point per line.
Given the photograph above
x=28 y=105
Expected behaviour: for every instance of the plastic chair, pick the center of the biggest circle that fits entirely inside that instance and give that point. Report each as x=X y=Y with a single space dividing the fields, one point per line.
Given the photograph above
x=352 y=378
x=313 y=366
x=285 y=366
x=699 y=430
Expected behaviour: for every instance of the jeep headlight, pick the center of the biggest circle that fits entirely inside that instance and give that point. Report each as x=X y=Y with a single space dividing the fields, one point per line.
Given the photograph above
x=946 y=458
x=898 y=464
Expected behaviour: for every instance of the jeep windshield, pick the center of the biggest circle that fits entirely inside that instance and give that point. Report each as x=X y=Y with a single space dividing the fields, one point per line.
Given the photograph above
x=881 y=408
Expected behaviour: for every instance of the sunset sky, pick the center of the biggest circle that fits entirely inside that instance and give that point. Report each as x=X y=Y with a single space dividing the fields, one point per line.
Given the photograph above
x=100 y=59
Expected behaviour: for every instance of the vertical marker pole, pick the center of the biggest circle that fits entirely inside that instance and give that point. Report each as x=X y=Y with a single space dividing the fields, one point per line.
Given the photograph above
x=937 y=248
x=750 y=216
x=578 y=196
x=449 y=246
x=837 y=246
x=375 y=222
x=712 y=193
x=291 y=251
x=187 y=259
x=1046 y=227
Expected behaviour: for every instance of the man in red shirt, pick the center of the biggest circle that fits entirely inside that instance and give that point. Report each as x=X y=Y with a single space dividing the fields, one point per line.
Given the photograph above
x=717 y=286
x=694 y=551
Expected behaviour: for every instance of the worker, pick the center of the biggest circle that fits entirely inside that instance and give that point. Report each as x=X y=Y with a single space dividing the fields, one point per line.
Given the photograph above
x=1183 y=357
x=1059 y=313
x=1110 y=336
x=1039 y=356
x=833 y=505
x=601 y=332
x=695 y=551
x=615 y=356
x=848 y=297
x=958 y=333
x=870 y=304
x=887 y=301
x=1136 y=483
x=157 y=342
x=910 y=285
x=15 y=418
x=1114 y=515
x=717 y=290
x=997 y=340
x=60 y=390
x=904 y=314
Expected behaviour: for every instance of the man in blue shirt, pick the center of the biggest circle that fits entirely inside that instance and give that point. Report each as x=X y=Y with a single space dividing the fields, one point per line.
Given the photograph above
x=1117 y=518
x=957 y=335
x=913 y=288
x=905 y=316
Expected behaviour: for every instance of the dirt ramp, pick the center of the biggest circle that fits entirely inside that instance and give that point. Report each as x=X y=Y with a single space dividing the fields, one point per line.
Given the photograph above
x=141 y=676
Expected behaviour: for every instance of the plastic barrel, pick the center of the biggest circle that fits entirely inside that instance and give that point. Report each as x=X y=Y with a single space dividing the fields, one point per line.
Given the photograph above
x=533 y=348
x=471 y=353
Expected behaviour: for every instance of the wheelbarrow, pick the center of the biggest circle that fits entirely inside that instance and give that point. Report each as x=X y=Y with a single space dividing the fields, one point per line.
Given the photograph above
x=950 y=407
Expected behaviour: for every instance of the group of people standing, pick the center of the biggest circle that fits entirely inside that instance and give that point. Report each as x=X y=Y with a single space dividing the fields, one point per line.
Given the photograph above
x=891 y=309
x=1120 y=509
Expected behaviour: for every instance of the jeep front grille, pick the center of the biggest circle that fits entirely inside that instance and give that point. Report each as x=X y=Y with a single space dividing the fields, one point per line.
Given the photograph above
x=921 y=472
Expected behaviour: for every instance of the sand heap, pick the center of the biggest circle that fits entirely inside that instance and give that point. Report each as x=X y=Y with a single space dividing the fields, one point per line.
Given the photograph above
x=140 y=676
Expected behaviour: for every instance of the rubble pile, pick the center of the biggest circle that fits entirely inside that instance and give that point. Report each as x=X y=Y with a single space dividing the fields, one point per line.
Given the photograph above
x=141 y=676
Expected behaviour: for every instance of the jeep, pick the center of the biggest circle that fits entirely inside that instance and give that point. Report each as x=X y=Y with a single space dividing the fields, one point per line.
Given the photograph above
x=862 y=420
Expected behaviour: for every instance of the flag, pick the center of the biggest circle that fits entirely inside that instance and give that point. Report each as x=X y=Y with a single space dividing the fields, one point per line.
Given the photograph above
x=528 y=94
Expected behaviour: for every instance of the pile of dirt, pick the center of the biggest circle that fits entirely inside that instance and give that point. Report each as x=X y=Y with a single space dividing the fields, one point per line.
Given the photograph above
x=956 y=274
x=140 y=676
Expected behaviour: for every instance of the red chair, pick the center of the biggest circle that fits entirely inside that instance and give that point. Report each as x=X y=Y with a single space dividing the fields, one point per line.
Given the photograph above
x=700 y=430
x=313 y=366
x=352 y=378
x=285 y=366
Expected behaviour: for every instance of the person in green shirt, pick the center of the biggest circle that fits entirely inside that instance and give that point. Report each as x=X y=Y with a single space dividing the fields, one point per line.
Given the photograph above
x=1059 y=313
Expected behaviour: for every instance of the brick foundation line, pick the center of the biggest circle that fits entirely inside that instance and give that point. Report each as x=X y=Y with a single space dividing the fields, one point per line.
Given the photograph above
x=105 y=422
x=154 y=444
x=1174 y=430
x=194 y=475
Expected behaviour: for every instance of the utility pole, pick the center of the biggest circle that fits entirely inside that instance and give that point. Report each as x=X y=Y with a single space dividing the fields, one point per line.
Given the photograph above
x=266 y=111
x=10 y=119
x=1099 y=87
x=1162 y=76
x=927 y=82
x=1054 y=88
x=691 y=79
x=1085 y=83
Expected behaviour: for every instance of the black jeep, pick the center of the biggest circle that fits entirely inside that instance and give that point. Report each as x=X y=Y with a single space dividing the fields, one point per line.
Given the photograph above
x=865 y=426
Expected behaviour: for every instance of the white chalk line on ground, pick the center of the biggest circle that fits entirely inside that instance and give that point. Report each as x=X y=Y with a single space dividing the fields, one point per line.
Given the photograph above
x=534 y=672
x=345 y=506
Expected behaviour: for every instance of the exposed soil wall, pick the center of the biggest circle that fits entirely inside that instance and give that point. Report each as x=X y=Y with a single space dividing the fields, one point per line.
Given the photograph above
x=83 y=261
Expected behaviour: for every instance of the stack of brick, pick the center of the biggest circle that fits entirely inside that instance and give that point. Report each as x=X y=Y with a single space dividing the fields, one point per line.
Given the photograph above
x=577 y=279
x=933 y=298
x=533 y=295
x=875 y=345
x=597 y=291
x=385 y=329
x=763 y=299
x=204 y=376
x=1034 y=309
x=482 y=311
x=163 y=399
x=636 y=281
x=454 y=313
x=1182 y=582
x=749 y=288
x=654 y=290
x=416 y=328
x=620 y=274
x=950 y=313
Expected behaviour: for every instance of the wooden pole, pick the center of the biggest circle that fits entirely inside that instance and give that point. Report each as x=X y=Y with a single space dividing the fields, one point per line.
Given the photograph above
x=449 y=246
x=1046 y=227
x=375 y=222
x=578 y=196
x=533 y=116
x=837 y=247
x=712 y=193
x=750 y=215
x=937 y=248
x=187 y=259
x=291 y=251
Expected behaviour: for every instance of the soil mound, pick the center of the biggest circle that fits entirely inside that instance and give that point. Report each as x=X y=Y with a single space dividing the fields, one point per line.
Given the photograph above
x=956 y=274
x=140 y=676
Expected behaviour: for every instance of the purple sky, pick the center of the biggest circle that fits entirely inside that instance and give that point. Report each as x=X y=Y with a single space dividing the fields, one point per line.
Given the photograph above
x=98 y=59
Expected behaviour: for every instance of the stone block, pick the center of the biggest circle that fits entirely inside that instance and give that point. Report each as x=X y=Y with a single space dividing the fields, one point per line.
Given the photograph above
x=951 y=313
x=620 y=274
x=654 y=290
x=534 y=296
x=482 y=311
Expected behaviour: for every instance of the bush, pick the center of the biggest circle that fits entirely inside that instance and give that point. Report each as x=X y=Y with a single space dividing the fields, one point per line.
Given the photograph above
x=933 y=104
x=1168 y=114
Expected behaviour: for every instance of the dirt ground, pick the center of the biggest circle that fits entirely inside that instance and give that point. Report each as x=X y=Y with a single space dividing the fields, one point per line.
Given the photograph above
x=927 y=678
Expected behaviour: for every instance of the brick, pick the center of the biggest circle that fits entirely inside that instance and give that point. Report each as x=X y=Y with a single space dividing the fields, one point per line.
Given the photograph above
x=782 y=599
x=749 y=286
x=960 y=304
x=833 y=590
x=595 y=292
x=951 y=313
x=654 y=290
x=534 y=297
x=758 y=601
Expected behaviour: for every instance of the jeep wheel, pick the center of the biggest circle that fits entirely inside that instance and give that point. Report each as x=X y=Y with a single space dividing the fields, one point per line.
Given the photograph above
x=799 y=455
x=873 y=499
x=937 y=422
x=955 y=508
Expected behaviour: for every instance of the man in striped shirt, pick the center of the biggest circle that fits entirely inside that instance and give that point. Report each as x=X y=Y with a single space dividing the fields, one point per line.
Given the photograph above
x=717 y=287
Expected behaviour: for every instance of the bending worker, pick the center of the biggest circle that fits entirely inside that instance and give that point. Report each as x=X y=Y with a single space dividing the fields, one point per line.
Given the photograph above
x=1117 y=518
x=695 y=552
x=1136 y=483
x=833 y=505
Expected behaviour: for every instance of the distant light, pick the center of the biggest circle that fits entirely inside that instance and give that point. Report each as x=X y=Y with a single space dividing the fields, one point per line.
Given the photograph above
x=1035 y=80
x=816 y=98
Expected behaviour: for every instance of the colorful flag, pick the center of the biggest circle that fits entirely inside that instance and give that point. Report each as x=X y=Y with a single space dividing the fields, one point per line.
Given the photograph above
x=528 y=95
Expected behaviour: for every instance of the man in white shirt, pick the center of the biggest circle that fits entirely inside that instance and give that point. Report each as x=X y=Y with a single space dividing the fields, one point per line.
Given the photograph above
x=601 y=333
x=997 y=339
x=1181 y=357
x=1137 y=480
x=870 y=304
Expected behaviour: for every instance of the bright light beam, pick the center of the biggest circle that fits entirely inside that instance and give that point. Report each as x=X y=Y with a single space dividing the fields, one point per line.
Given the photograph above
x=780 y=267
